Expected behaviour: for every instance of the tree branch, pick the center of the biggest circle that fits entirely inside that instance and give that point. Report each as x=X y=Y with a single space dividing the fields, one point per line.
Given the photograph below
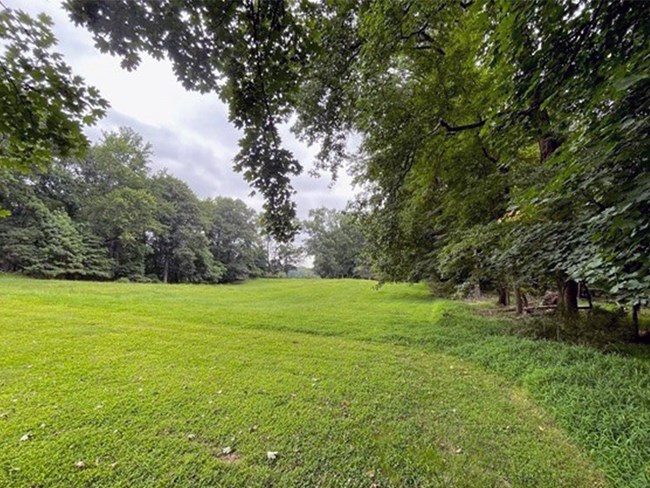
x=422 y=47
x=481 y=122
x=488 y=155
x=460 y=128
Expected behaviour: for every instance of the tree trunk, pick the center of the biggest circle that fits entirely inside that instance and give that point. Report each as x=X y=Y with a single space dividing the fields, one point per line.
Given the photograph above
x=519 y=300
x=547 y=146
x=548 y=143
x=116 y=250
x=166 y=270
x=588 y=294
x=569 y=297
x=477 y=291
x=635 y=321
x=504 y=297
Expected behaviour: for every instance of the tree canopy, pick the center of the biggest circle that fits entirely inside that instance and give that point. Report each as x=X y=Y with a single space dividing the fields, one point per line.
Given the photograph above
x=44 y=105
x=250 y=53
x=503 y=143
x=336 y=243
x=108 y=215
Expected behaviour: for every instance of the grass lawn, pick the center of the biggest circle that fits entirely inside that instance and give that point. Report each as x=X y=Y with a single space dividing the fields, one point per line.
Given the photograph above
x=107 y=384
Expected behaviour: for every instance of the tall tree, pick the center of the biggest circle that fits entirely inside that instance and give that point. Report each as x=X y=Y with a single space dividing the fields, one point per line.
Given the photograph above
x=335 y=242
x=116 y=201
x=181 y=251
x=234 y=237
x=42 y=240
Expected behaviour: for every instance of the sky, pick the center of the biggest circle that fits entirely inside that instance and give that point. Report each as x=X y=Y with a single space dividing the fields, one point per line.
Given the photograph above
x=189 y=132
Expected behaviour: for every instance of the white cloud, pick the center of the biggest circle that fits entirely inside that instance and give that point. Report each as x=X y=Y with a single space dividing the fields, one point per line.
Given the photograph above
x=189 y=132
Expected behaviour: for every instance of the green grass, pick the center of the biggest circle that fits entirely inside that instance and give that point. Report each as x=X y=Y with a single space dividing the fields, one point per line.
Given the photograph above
x=353 y=387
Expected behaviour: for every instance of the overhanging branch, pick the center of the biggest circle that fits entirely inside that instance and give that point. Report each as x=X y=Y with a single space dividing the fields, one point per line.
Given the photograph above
x=460 y=128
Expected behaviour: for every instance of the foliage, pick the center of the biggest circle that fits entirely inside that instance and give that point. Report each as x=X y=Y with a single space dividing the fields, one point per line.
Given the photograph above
x=523 y=123
x=335 y=243
x=43 y=104
x=502 y=143
x=233 y=233
x=115 y=199
x=45 y=242
x=283 y=257
x=302 y=272
x=181 y=250
x=108 y=216
x=249 y=52
x=122 y=219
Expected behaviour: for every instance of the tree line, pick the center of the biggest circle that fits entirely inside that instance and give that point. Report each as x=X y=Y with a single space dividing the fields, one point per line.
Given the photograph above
x=107 y=215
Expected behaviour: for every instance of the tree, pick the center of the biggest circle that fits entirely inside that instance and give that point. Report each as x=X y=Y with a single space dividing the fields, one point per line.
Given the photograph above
x=233 y=234
x=123 y=218
x=335 y=243
x=573 y=110
x=43 y=105
x=44 y=242
x=120 y=159
x=438 y=87
x=116 y=201
x=282 y=257
x=181 y=251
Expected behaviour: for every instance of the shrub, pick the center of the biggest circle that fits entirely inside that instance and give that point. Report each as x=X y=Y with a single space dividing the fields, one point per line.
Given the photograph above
x=597 y=327
x=439 y=288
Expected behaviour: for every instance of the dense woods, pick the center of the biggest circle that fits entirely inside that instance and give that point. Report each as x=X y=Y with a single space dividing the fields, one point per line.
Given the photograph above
x=109 y=216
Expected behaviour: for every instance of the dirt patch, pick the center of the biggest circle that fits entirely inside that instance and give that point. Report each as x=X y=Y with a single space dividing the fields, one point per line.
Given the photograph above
x=448 y=447
x=230 y=458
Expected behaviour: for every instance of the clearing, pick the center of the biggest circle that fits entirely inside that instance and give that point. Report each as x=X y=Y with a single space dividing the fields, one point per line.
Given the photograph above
x=111 y=384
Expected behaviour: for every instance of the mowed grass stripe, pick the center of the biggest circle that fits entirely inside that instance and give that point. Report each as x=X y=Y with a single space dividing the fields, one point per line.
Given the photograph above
x=163 y=407
x=160 y=379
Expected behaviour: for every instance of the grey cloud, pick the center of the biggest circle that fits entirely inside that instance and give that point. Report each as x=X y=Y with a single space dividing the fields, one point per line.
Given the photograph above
x=210 y=120
x=199 y=165
x=210 y=174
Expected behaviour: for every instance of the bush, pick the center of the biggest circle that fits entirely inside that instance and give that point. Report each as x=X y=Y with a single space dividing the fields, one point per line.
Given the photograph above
x=596 y=327
x=152 y=278
x=439 y=288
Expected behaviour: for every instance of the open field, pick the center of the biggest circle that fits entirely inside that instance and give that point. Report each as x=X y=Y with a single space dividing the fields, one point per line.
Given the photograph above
x=175 y=385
